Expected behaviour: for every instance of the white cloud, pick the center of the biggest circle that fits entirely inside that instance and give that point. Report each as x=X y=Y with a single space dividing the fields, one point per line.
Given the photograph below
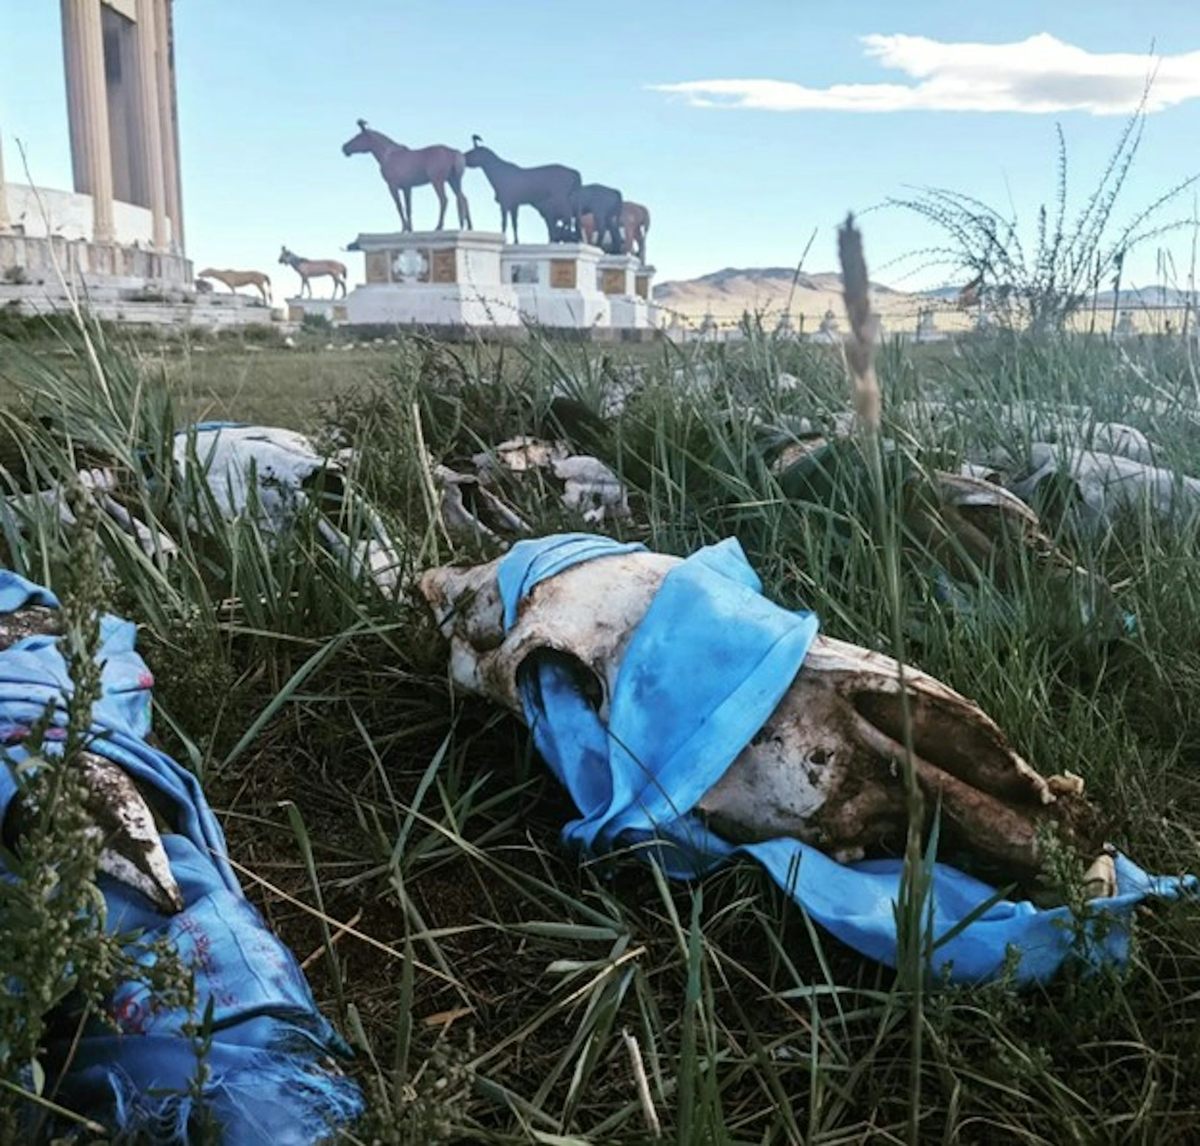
x=1038 y=76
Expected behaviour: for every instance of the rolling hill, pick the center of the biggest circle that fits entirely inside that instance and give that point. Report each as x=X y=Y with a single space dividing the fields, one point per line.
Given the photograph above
x=727 y=294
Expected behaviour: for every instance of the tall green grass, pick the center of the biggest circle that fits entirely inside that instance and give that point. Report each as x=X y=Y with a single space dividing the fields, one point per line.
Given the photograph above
x=403 y=837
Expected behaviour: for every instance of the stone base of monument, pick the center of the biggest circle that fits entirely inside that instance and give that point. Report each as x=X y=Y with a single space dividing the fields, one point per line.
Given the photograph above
x=557 y=284
x=332 y=310
x=434 y=279
x=626 y=283
x=459 y=281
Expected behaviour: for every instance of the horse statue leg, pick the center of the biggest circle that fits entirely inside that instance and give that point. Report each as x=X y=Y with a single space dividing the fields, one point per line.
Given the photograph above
x=408 y=224
x=460 y=201
x=515 y=208
x=439 y=189
x=399 y=206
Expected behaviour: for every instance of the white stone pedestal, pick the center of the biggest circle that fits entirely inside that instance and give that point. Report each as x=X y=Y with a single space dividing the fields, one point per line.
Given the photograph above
x=472 y=279
x=643 y=283
x=617 y=277
x=432 y=278
x=555 y=284
x=330 y=309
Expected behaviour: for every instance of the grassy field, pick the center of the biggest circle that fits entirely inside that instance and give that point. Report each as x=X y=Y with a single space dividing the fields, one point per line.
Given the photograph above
x=403 y=837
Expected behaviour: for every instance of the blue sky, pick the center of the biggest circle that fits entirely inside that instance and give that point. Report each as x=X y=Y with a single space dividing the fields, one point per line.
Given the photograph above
x=269 y=91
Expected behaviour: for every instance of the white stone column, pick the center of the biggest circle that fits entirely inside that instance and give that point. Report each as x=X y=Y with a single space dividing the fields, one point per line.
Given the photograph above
x=87 y=110
x=150 y=117
x=5 y=223
x=166 y=109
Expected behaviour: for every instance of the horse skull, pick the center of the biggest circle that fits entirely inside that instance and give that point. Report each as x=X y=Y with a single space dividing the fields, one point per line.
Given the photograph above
x=827 y=766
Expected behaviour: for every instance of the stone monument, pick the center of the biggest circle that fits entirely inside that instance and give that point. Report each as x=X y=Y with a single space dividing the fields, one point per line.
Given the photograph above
x=927 y=330
x=453 y=280
x=828 y=332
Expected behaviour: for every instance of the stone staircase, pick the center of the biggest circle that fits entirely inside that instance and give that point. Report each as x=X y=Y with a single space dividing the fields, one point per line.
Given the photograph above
x=135 y=301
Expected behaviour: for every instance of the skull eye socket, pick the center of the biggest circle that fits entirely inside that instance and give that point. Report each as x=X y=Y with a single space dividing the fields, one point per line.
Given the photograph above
x=568 y=667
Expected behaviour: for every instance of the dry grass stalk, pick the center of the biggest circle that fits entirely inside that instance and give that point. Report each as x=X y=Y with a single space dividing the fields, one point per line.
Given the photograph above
x=864 y=326
x=914 y=887
x=642 y=1083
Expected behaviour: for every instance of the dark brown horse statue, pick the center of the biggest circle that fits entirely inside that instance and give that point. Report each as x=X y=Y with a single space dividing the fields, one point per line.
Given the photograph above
x=403 y=169
x=551 y=190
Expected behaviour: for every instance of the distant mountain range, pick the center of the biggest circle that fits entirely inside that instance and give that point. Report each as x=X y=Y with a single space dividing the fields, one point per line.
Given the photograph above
x=728 y=293
x=1131 y=298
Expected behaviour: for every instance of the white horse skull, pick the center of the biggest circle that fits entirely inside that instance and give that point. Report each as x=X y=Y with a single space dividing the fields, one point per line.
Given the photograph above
x=826 y=767
x=270 y=468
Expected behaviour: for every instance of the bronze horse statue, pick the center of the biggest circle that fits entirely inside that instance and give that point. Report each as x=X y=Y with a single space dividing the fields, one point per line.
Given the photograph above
x=235 y=279
x=403 y=169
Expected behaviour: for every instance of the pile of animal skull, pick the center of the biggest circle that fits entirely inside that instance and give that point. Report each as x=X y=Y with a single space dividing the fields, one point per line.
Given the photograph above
x=264 y=473
x=824 y=769
x=473 y=506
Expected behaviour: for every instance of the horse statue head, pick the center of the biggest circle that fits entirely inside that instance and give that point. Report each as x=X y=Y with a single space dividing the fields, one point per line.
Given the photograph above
x=478 y=153
x=361 y=142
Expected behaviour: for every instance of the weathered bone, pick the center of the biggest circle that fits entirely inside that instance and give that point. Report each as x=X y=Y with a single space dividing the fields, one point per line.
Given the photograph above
x=118 y=816
x=100 y=485
x=133 y=851
x=592 y=489
x=589 y=487
x=276 y=464
x=826 y=768
x=1106 y=484
x=966 y=522
x=470 y=511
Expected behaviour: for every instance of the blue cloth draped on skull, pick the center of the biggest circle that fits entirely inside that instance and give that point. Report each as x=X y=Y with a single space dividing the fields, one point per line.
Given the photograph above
x=271 y=1078
x=702 y=672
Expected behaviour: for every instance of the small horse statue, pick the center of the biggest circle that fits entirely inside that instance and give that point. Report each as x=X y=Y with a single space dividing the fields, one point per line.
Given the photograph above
x=403 y=169
x=235 y=279
x=315 y=269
